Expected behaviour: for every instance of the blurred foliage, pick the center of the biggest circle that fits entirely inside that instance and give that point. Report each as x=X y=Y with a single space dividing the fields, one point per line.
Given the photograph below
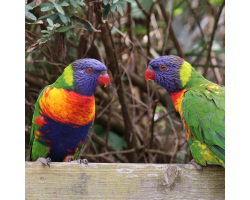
x=59 y=32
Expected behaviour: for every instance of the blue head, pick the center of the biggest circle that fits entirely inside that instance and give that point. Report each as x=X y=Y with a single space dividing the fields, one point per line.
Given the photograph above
x=88 y=74
x=169 y=72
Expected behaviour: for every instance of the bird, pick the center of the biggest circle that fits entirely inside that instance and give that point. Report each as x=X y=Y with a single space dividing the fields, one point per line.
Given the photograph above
x=65 y=111
x=200 y=103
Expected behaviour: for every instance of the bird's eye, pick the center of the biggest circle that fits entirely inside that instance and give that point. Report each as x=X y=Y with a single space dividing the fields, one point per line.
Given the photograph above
x=163 y=67
x=89 y=70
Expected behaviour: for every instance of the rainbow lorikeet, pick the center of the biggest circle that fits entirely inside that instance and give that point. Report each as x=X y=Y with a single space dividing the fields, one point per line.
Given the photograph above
x=201 y=105
x=64 y=112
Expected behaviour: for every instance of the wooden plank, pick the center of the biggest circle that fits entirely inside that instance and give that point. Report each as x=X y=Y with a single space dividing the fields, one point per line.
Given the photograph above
x=122 y=181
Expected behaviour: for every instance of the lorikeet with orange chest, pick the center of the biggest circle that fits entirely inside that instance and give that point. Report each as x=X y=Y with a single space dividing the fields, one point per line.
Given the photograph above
x=201 y=105
x=64 y=112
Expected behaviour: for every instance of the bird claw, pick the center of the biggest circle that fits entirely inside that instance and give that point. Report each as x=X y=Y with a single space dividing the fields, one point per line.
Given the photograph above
x=44 y=161
x=85 y=161
x=197 y=166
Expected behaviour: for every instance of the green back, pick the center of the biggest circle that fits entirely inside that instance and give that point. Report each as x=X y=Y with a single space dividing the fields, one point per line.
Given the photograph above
x=35 y=115
x=204 y=112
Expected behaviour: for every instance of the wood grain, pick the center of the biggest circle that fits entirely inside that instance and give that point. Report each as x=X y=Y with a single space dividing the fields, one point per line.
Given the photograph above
x=122 y=181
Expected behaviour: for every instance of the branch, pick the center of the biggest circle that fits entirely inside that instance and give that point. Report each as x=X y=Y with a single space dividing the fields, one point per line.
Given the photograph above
x=216 y=20
x=164 y=115
x=141 y=83
x=113 y=66
x=140 y=148
x=171 y=30
x=101 y=142
x=196 y=19
x=167 y=32
x=142 y=8
x=152 y=125
x=115 y=124
x=34 y=80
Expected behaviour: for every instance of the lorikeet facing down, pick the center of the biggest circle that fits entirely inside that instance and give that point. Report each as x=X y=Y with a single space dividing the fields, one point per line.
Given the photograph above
x=201 y=105
x=64 y=112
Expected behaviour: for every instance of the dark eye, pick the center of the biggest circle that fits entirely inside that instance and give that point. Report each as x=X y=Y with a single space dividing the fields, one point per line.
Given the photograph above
x=163 y=67
x=89 y=70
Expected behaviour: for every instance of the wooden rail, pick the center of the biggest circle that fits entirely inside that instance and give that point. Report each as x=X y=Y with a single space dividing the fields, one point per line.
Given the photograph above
x=122 y=181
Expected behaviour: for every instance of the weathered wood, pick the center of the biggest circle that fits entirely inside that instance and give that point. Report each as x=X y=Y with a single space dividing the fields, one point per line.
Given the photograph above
x=122 y=181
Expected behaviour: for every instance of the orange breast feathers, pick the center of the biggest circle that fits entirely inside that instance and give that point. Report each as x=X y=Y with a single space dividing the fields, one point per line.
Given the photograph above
x=67 y=106
x=177 y=98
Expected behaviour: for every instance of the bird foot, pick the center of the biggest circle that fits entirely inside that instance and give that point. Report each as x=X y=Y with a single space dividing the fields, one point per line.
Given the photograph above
x=44 y=161
x=68 y=158
x=196 y=165
x=85 y=161
x=71 y=158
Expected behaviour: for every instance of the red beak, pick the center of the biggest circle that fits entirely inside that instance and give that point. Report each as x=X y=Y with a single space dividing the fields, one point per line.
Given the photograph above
x=103 y=80
x=149 y=74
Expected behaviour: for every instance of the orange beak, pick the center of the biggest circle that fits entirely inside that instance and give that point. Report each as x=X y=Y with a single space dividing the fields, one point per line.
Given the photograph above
x=103 y=79
x=149 y=74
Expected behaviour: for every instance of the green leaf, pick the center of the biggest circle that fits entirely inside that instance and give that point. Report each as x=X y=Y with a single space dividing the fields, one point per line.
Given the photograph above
x=44 y=31
x=28 y=7
x=130 y=1
x=74 y=35
x=159 y=109
x=216 y=2
x=115 y=1
x=26 y=84
x=32 y=4
x=112 y=8
x=45 y=36
x=64 y=3
x=73 y=3
x=105 y=2
x=29 y=67
x=68 y=18
x=63 y=29
x=50 y=16
x=45 y=16
x=68 y=33
x=63 y=18
x=122 y=5
x=80 y=3
x=30 y=15
x=59 y=9
x=77 y=27
x=84 y=23
x=44 y=5
x=177 y=11
x=105 y=12
x=119 y=7
x=54 y=16
x=42 y=40
x=114 y=140
x=67 y=13
x=140 y=30
x=50 y=22
x=28 y=20
x=46 y=8
x=57 y=25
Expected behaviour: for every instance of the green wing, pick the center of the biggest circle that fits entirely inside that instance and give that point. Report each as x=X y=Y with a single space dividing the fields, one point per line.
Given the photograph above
x=204 y=114
x=35 y=126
